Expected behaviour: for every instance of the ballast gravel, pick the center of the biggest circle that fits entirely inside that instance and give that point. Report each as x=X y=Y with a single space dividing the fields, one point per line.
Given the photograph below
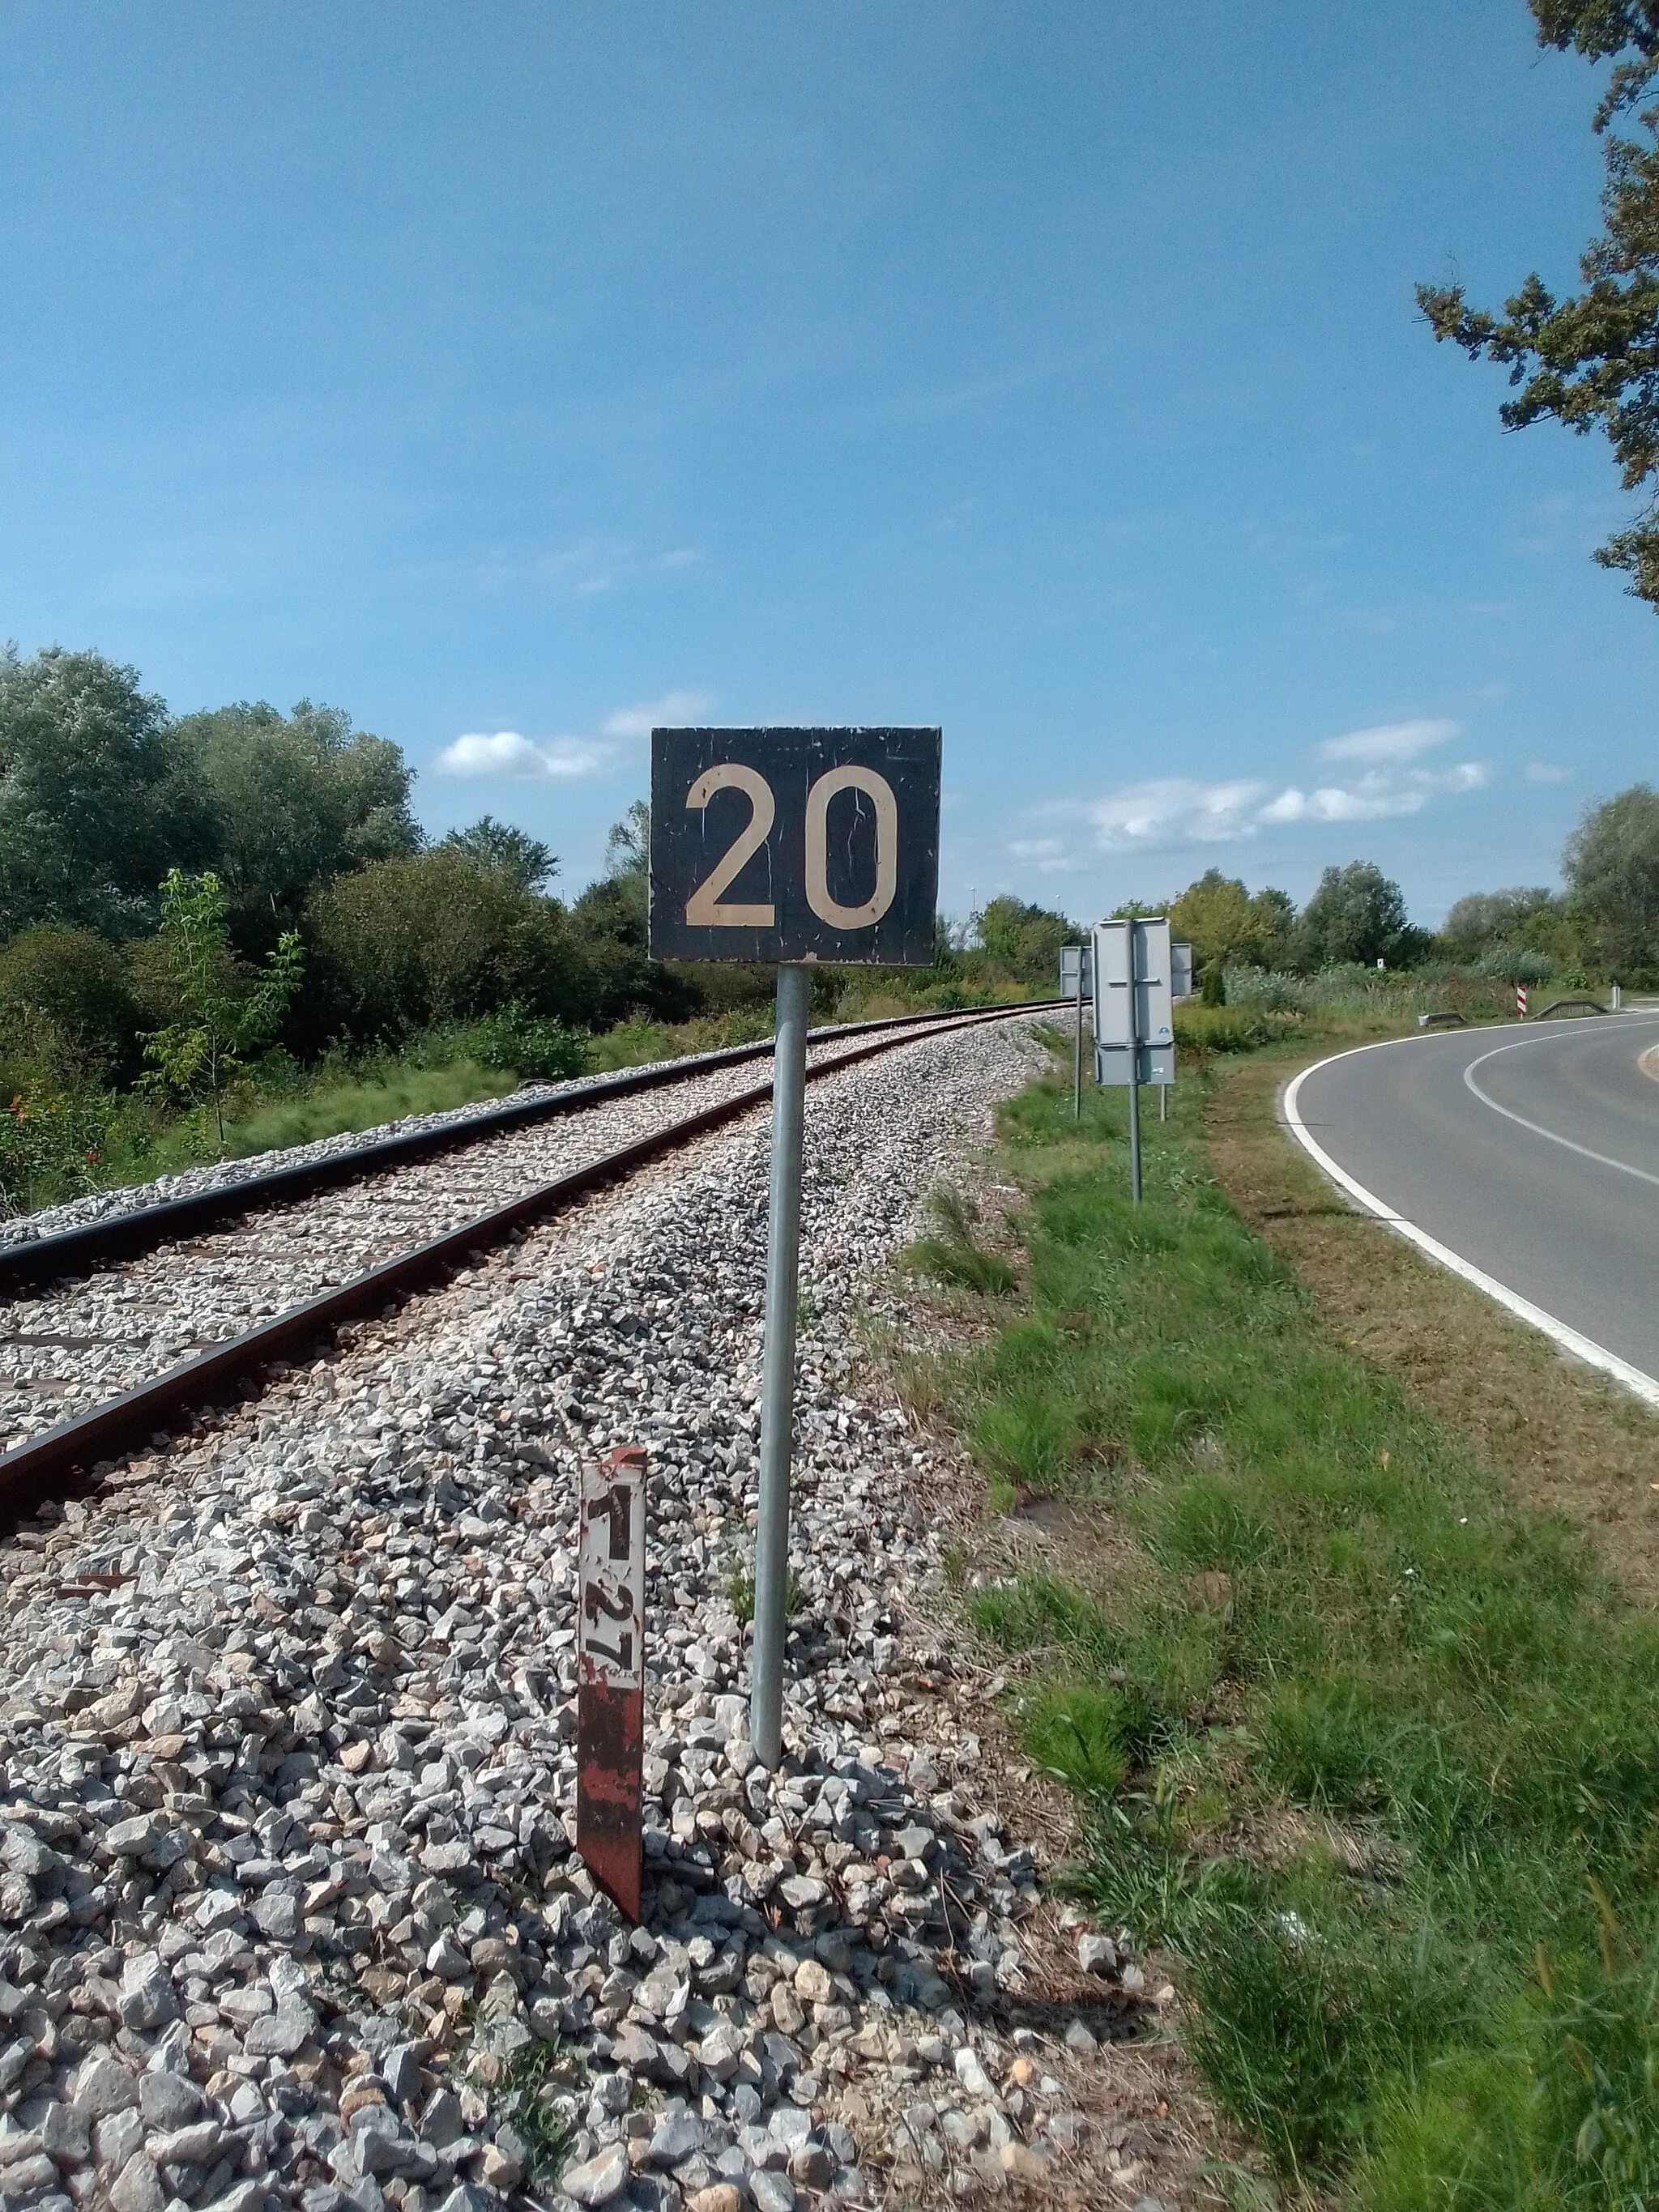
x=289 y=1913
x=68 y=1347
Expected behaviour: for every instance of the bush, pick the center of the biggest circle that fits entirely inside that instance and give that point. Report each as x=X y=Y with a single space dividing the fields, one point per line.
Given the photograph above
x=526 y=1046
x=410 y=944
x=68 y=992
x=51 y=1145
x=1224 y=1028
x=1509 y=963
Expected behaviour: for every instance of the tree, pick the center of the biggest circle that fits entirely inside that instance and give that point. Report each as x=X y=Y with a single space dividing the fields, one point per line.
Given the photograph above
x=628 y=843
x=293 y=801
x=230 y=1009
x=1356 y=914
x=95 y=800
x=1591 y=360
x=1025 y=940
x=436 y=938
x=1486 y=920
x=612 y=918
x=1275 y=927
x=1221 y=921
x=522 y=859
x=1611 y=866
x=68 y=992
x=1213 y=916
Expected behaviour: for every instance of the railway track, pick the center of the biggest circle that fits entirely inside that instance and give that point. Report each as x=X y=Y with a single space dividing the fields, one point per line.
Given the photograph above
x=204 y=1295
x=288 y=1906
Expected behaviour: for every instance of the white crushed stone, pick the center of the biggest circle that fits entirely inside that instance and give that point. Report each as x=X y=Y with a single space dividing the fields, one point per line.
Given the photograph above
x=288 y=1913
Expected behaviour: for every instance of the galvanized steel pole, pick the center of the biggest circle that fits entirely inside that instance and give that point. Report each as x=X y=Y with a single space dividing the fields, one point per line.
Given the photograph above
x=1077 y=1046
x=1133 y=1020
x=778 y=1371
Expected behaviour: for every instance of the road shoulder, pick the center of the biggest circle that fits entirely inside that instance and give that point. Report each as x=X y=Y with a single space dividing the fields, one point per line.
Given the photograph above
x=1562 y=1438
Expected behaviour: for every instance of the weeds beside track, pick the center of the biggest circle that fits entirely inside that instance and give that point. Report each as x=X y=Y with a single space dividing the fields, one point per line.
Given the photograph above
x=1370 y=1747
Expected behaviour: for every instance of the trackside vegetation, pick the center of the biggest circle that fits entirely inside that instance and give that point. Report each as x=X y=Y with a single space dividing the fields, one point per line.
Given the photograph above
x=221 y=925
x=1371 y=1755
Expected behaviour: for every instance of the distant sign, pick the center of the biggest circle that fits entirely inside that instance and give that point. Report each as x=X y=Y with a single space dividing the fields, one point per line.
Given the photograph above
x=795 y=845
x=1134 y=1012
x=1181 y=971
x=1073 y=958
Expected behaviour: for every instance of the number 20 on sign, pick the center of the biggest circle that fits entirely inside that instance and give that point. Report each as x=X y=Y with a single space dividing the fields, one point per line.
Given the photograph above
x=787 y=845
x=610 y=1673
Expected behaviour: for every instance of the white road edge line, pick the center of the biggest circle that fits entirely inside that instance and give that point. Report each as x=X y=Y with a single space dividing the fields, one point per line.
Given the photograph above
x=1640 y=1385
x=1601 y=1159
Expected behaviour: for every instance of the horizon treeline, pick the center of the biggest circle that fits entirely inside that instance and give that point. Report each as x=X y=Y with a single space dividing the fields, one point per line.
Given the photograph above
x=303 y=824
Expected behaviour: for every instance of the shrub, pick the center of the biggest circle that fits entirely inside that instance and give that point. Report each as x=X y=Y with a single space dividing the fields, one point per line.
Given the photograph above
x=408 y=943
x=1224 y=1029
x=51 y=1145
x=69 y=993
x=527 y=1046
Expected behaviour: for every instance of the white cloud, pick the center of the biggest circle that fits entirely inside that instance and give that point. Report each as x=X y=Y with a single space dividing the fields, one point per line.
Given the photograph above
x=673 y=706
x=504 y=752
x=1175 y=810
x=1373 y=796
x=1048 y=855
x=1545 y=772
x=1388 y=741
x=1181 y=811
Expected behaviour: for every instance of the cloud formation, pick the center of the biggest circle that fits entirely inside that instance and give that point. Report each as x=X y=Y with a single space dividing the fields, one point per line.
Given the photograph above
x=1179 y=810
x=1048 y=855
x=1374 y=796
x=505 y=752
x=1176 y=810
x=673 y=706
x=1388 y=741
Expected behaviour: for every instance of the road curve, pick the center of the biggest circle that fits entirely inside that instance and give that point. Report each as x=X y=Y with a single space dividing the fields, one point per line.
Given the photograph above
x=1527 y=1160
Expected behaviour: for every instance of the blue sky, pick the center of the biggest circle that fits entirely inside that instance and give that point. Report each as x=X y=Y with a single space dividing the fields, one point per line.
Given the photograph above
x=512 y=375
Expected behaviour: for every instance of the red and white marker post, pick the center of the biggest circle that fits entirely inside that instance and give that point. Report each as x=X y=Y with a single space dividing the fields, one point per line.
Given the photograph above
x=610 y=1673
x=1521 y=1000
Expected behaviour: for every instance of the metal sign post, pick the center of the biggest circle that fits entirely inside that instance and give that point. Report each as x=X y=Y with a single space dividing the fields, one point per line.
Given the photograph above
x=610 y=1673
x=1132 y=1039
x=778 y=1367
x=1181 y=986
x=1077 y=981
x=790 y=846
x=1135 y=1016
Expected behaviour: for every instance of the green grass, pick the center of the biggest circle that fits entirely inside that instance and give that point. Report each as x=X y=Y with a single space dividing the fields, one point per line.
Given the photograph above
x=633 y=1043
x=522 y=2090
x=740 y=1595
x=953 y=1253
x=364 y=1105
x=1373 y=1755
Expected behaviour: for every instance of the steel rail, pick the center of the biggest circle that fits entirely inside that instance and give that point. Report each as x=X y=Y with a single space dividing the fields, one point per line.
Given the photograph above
x=123 y=1235
x=49 y=1464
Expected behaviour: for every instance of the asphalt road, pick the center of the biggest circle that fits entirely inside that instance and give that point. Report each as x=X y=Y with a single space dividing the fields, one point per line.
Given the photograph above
x=1531 y=1155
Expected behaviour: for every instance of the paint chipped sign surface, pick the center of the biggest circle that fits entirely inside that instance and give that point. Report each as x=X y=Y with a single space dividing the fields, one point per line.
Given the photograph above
x=610 y=1673
x=795 y=845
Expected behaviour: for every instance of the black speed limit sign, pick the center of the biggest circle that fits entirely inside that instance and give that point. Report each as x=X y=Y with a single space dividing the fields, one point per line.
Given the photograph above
x=795 y=845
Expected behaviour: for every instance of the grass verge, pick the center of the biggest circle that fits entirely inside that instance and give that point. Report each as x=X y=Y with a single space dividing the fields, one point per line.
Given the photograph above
x=1364 y=1741
x=340 y=1107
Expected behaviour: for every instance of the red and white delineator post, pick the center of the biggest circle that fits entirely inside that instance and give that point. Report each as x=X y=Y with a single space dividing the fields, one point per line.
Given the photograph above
x=1521 y=1000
